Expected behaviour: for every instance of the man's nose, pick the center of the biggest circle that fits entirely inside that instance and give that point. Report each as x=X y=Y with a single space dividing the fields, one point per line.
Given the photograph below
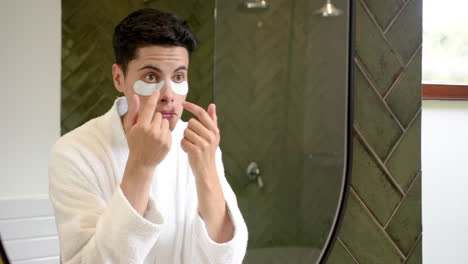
x=166 y=95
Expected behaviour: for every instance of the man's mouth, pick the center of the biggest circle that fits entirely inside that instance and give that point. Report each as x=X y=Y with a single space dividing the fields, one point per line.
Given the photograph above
x=167 y=115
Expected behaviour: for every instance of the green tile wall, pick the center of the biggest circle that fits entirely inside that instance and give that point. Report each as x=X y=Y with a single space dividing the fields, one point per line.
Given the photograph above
x=87 y=55
x=382 y=222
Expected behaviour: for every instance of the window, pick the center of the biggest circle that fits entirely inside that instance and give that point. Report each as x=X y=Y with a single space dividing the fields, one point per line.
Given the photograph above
x=445 y=49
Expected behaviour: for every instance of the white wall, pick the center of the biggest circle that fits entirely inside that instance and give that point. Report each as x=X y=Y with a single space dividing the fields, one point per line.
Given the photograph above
x=30 y=93
x=30 y=36
x=28 y=230
x=445 y=181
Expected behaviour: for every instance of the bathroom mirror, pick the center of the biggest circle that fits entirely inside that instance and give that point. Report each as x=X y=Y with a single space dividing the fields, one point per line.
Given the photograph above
x=281 y=86
x=279 y=74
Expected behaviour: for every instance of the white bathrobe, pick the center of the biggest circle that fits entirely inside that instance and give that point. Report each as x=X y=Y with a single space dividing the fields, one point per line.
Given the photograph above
x=97 y=224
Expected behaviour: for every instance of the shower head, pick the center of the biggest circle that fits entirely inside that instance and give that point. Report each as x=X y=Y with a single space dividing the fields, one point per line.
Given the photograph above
x=256 y=4
x=329 y=10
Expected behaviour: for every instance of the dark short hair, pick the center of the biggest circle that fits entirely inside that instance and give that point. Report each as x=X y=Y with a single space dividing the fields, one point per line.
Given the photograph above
x=146 y=27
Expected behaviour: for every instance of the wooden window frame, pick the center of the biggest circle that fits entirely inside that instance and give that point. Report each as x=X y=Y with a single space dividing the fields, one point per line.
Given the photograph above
x=444 y=92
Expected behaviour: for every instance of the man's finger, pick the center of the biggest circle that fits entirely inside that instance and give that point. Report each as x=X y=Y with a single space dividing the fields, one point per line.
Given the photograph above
x=212 y=113
x=147 y=113
x=165 y=124
x=202 y=115
x=191 y=136
x=134 y=106
x=198 y=128
x=157 y=121
x=186 y=145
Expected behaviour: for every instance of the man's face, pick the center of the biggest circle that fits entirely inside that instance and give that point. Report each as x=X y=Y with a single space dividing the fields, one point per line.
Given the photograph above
x=154 y=64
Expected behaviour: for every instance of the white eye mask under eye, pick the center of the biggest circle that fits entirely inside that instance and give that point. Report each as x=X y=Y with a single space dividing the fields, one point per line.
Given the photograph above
x=179 y=88
x=147 y=89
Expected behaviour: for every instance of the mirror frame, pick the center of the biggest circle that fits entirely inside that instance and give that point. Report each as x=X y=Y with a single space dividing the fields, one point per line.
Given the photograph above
x=342 y=202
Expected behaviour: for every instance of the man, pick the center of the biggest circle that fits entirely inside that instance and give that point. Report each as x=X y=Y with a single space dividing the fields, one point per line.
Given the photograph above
x=137 y=185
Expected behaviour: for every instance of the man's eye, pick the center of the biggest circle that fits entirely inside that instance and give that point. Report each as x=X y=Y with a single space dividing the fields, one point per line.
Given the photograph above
x=150 y=77
x=179 y=78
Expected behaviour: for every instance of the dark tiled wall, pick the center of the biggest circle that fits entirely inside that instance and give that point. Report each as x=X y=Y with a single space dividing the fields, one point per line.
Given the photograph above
x=87 y=56
x=382 y=223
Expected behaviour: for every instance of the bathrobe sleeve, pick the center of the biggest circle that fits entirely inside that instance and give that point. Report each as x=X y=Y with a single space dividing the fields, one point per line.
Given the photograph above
x=207 y=251
x=93 y=229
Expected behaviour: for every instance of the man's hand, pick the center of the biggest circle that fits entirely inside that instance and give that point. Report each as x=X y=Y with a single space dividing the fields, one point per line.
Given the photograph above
x=148 y=134
x=201 y=138
x=149 y=140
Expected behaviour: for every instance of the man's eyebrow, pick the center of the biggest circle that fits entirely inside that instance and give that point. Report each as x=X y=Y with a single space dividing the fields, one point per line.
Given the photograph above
x=150 y=67
x=159 y=70
x=181 y=68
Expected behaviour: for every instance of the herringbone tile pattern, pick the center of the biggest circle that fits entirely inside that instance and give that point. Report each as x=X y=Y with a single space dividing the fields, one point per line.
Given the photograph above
x=87 y=57
x=382 y=222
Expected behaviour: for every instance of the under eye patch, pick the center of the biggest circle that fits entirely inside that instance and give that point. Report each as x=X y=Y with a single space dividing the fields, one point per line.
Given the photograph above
x=180 y=88
x=147 y=89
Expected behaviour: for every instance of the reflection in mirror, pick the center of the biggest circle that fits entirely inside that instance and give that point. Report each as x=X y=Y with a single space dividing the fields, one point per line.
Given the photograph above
x=329 y=10
x=278 y=75
x=282 y=97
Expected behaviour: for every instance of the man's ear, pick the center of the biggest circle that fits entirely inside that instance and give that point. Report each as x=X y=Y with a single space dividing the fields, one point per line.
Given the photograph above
x=118 y=78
